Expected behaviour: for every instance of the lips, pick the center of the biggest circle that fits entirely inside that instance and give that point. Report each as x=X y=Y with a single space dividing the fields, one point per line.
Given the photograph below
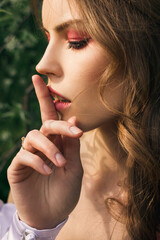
x=57 y=96
x=61 y=103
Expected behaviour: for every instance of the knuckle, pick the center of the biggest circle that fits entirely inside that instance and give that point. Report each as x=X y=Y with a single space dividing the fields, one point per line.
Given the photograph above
x=35 y=158
x=16 y=159
x=32 y=133
x=46 y=125
x=18 y=156
x=8 y=171
x=64 y=123
x=50 y=149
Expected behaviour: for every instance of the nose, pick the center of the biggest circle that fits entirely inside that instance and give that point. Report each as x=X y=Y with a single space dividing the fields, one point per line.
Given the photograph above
x=50 y=62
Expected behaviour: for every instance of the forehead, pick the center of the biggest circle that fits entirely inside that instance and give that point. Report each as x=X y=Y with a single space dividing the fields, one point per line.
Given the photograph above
x=54 y=12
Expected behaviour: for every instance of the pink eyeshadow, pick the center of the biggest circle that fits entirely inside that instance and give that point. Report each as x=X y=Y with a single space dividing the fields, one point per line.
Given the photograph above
x=74 y=35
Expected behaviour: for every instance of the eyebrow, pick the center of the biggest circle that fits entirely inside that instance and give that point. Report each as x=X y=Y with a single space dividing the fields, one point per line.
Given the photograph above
x=61 y=27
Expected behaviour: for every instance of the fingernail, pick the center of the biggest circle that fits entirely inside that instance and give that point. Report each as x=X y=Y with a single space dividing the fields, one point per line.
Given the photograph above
x=47 y=169
x=60 y=159
x=75 y=130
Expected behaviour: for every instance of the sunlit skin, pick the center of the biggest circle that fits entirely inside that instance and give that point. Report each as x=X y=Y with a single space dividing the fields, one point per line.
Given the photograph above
x=75 y=73
x=73 y=63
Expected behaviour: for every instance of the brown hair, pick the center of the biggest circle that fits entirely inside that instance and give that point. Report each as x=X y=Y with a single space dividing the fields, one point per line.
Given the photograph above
x=130 y=31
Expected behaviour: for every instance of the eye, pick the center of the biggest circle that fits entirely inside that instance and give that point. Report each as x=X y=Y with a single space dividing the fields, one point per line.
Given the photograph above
x=78 y=44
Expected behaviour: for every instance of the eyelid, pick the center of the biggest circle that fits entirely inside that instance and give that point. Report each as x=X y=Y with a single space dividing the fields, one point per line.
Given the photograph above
x=77 y=39
x=74 y=35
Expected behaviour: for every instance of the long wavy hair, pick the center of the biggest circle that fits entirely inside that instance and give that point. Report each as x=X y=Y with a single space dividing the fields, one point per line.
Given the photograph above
x=129 y=30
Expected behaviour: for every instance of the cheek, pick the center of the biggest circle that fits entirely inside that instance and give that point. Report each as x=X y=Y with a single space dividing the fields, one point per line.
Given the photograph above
x=84 y=70
x=85 y=67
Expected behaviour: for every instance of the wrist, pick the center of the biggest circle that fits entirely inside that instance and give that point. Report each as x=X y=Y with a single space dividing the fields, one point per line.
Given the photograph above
x=41 y=225
x=21 y=229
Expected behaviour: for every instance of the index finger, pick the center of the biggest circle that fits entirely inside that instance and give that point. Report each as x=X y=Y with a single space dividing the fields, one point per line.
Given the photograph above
x=47 y=108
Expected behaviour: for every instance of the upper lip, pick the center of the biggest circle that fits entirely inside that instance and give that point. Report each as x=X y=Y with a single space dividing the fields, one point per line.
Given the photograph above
x=55 y=93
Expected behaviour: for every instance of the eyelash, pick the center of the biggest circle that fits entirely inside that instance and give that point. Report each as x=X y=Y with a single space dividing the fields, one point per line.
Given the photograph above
x=78 y=44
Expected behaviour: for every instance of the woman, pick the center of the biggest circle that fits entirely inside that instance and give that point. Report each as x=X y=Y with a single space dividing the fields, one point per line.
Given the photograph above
x=102 y=63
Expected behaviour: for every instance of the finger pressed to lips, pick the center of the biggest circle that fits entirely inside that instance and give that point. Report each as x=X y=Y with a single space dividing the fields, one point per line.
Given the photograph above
x=38 y=140
x=47 y=107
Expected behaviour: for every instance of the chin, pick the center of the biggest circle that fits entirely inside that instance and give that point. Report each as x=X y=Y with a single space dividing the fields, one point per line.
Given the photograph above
x=84 y=121
x=87 y=125
x=84 y=125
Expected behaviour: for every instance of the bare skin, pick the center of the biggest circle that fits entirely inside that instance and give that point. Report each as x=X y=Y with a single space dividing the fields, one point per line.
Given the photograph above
x=103 y=178
x=52 y=189
x=100 y=181
x=73 y=73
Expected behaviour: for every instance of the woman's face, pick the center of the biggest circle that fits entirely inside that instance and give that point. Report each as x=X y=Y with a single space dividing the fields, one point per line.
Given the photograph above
x=73 y=63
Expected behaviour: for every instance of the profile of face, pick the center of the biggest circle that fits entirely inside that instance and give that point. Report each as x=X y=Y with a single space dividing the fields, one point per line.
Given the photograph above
x=74 y=63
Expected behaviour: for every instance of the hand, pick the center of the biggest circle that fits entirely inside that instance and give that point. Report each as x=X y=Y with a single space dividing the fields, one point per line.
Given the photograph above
x=45 y=178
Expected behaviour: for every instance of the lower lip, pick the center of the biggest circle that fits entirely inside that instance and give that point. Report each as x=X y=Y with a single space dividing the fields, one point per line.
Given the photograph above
x=61 y=105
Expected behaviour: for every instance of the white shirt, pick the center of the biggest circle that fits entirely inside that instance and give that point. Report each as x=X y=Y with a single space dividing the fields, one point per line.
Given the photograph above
x=11 y=228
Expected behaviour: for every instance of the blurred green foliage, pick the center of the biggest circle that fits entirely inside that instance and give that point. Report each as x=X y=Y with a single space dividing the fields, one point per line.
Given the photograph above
x=21 y=47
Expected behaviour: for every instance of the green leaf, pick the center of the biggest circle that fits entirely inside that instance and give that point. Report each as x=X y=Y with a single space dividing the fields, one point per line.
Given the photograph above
x=5 y=11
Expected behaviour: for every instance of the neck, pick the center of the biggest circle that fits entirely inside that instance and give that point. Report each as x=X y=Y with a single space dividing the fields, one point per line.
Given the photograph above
x=108 y=136
x=103 y=159
x=104 y=140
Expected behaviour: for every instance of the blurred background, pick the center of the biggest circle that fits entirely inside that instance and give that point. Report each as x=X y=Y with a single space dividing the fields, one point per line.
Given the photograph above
x=21 y=47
